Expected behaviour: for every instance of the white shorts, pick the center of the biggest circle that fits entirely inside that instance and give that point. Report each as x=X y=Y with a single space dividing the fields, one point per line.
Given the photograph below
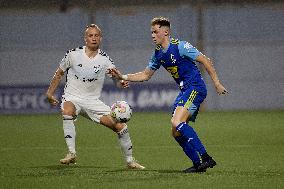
x=92 y=109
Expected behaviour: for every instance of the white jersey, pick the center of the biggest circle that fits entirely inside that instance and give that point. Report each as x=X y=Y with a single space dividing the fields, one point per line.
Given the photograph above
x=85 y=75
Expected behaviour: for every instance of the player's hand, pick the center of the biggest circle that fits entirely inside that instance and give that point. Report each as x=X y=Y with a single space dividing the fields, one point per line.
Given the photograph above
x=124 y=84
x=115 y=73
x=221 y=90
x=52 y=100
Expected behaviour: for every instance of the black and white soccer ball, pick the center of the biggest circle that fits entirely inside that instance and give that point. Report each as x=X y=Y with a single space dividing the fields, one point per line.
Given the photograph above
x=121 y=111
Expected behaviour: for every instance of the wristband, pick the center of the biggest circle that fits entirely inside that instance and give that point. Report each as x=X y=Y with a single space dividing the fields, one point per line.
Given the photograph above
x=124 y=77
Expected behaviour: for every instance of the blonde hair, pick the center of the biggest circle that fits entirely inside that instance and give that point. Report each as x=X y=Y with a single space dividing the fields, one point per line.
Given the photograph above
x=161 y=21
x=94 y=26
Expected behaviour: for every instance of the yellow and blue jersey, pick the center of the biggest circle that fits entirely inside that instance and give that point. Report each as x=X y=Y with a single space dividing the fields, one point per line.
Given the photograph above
x=179 y=60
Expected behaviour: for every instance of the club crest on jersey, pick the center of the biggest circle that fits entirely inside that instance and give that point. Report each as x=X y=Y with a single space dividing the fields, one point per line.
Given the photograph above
x=97 y=68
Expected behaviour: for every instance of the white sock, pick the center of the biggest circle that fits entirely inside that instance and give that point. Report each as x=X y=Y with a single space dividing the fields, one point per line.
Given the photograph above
x=125 y=144
x=69 y=132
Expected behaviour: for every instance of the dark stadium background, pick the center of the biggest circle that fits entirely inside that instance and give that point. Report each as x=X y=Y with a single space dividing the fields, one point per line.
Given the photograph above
x=245 y=39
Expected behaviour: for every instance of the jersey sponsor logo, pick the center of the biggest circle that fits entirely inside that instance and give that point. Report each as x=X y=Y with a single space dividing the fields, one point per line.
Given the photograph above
x=173 y=71
x=84 y=79
x=96 y=70
x=88 y=80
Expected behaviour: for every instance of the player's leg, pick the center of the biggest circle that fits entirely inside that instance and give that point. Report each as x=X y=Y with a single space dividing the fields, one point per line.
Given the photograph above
x=187 y=109
x=180 y=127
x=124 y=140
x=68 y=115
x=188 y=149
x=190 y=152
x=186 y=139
x=100 y=113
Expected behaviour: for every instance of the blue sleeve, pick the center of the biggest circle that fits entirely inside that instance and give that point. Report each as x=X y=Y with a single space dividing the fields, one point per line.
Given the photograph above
x=187 y=50
x=153 y=63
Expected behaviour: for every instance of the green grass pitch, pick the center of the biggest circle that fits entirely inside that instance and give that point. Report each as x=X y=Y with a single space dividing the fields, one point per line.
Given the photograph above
x=248 y=147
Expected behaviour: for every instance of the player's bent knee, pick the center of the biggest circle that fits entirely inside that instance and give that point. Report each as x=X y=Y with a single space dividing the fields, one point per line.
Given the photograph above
x=68 y=112
x=109 y=122
x=68 y=109
x=119 y=126
x=175 y=122
x=175 y=133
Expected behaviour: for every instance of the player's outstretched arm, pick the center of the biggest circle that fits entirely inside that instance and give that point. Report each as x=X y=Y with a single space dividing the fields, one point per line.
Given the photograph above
x=121 y=83
x=53 y=86
x=208 y=64
x=144 y=75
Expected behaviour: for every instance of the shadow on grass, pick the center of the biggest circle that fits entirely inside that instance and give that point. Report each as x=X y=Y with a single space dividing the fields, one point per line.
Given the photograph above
x=62 y=167
x=60 y=170
x=144 y=171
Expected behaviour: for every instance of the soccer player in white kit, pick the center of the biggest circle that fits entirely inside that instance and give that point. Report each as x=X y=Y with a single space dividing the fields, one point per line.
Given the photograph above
x=86 y=68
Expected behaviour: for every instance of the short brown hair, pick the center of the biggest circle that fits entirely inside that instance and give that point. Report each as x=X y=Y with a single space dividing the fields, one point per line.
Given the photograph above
x=161 y=21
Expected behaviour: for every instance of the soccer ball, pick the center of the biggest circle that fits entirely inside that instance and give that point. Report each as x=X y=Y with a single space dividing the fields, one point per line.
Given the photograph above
x=121 y=111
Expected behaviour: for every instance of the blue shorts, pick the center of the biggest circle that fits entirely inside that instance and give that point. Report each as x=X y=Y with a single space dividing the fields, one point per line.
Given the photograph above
x=190 y=98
